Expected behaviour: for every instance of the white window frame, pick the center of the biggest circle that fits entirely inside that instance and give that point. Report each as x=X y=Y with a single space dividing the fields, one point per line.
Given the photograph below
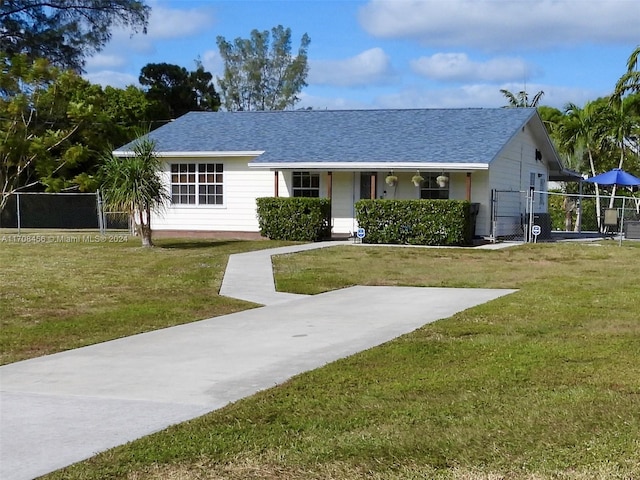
x=307 y=181
x=197 y=184
x=431 y=185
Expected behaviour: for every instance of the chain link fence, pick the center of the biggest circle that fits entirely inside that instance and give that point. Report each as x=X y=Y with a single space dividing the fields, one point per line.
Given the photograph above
x=583 y=213
x=29 y=210
x=515 y=213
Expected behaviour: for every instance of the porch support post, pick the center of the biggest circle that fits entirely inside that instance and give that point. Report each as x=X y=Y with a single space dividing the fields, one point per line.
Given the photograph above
x=276 y=185
x=329 y=184
x=468 y=186
x=372 y=193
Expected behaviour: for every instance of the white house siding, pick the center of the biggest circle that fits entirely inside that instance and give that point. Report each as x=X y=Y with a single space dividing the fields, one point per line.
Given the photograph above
x=511 y=171
x=479 y=194
x=241 y=187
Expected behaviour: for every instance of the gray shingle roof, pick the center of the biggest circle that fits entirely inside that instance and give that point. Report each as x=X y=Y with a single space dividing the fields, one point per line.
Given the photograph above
x=428 y=135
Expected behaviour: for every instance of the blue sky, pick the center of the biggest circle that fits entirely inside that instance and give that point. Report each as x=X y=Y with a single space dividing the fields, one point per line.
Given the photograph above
x=401 y=53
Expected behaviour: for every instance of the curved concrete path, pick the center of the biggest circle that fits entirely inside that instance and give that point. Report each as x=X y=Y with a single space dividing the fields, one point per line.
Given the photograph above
x=59 y=409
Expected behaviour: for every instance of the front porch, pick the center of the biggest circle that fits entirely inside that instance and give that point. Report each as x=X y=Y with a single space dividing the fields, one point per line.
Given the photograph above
x=345 y=188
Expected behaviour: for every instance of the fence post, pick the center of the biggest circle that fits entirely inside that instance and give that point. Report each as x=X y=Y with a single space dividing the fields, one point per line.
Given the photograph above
x=493 y=215
x=18 y=211
x=100 y=213
x=622 y=220
x=530 y=202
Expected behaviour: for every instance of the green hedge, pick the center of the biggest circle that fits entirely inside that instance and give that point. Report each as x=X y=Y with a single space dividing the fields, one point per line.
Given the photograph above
x=294 y=219
x=416 y=222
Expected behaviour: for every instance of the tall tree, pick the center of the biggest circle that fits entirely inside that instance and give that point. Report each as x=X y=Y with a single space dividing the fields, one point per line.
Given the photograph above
x=54 y=126
x=65 y=31
x=201 y=82
x=521 y=99
x=125 y=112
x=630 y=81
x=260 y=73
x=177 y=90
x=133 y=185
x=35 y=145
x=582 y=130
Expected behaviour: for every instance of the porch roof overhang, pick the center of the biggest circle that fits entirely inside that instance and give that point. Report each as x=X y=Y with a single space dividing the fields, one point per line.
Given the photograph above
x=565 y=175
x=371 y=166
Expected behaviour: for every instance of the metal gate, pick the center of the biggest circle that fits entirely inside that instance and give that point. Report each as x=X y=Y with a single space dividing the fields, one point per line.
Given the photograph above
x=507 y=209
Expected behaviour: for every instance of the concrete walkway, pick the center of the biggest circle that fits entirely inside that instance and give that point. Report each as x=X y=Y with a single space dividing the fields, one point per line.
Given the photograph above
x=59 y=409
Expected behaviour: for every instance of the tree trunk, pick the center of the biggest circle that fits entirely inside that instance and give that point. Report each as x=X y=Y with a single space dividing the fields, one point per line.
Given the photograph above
x=613 y=190
x=145 y=229
x=578 y=223
x=145 y=235
x=598 y=206
x=568 y=214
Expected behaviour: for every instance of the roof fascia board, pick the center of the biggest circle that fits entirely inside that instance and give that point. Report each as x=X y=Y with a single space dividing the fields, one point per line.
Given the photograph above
x=350 y=166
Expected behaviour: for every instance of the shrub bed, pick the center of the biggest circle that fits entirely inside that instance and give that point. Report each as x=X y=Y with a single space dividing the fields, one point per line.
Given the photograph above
x=294 y=219
x=416 y=222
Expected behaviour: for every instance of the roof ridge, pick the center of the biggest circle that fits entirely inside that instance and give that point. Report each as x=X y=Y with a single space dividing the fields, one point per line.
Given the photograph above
x=362 y=110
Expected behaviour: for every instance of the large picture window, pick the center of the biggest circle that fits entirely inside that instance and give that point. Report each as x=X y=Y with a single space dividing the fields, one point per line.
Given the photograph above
x=306 y=184
x=197 y=184
x=431 y=189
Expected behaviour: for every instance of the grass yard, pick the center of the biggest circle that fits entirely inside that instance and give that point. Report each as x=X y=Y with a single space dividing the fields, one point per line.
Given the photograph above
x=541 y=384
x=71 y=290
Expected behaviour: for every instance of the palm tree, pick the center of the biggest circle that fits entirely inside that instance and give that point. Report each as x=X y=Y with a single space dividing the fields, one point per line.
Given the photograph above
x=582 y=130
x=521 y=99
x=621 y=128
x=133 y=185
x=630 y=81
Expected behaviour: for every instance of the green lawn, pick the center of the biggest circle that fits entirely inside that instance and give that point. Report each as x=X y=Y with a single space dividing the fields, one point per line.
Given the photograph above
x=540 y=384
x=74 y=291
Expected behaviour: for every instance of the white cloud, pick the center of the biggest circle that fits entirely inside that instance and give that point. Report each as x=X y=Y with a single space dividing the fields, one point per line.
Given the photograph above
x=468 y=96
x=370 y=67
x=111 y=78
x=479 y=96
x=317 y=102
x=167 y=23
x=101 y=60
x=213 y=63
x=458 y=67
x=164 y=24
x=501 y=25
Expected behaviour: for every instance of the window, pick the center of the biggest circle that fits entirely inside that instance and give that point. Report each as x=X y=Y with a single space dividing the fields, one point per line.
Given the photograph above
x=431 y=189
x=196 y=184
x=183 y=183
x=306 y=184
x=367 y=180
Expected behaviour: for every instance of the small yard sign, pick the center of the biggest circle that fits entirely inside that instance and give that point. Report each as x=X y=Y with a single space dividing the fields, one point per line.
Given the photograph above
x=535 y=231
x=360 y=233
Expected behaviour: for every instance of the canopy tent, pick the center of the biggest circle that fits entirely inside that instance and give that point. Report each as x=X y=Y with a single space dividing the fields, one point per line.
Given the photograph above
x=617 y=177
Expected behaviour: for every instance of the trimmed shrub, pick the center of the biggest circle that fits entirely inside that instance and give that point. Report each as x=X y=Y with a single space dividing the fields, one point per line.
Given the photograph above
x=416 y=222
x=294 y=219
